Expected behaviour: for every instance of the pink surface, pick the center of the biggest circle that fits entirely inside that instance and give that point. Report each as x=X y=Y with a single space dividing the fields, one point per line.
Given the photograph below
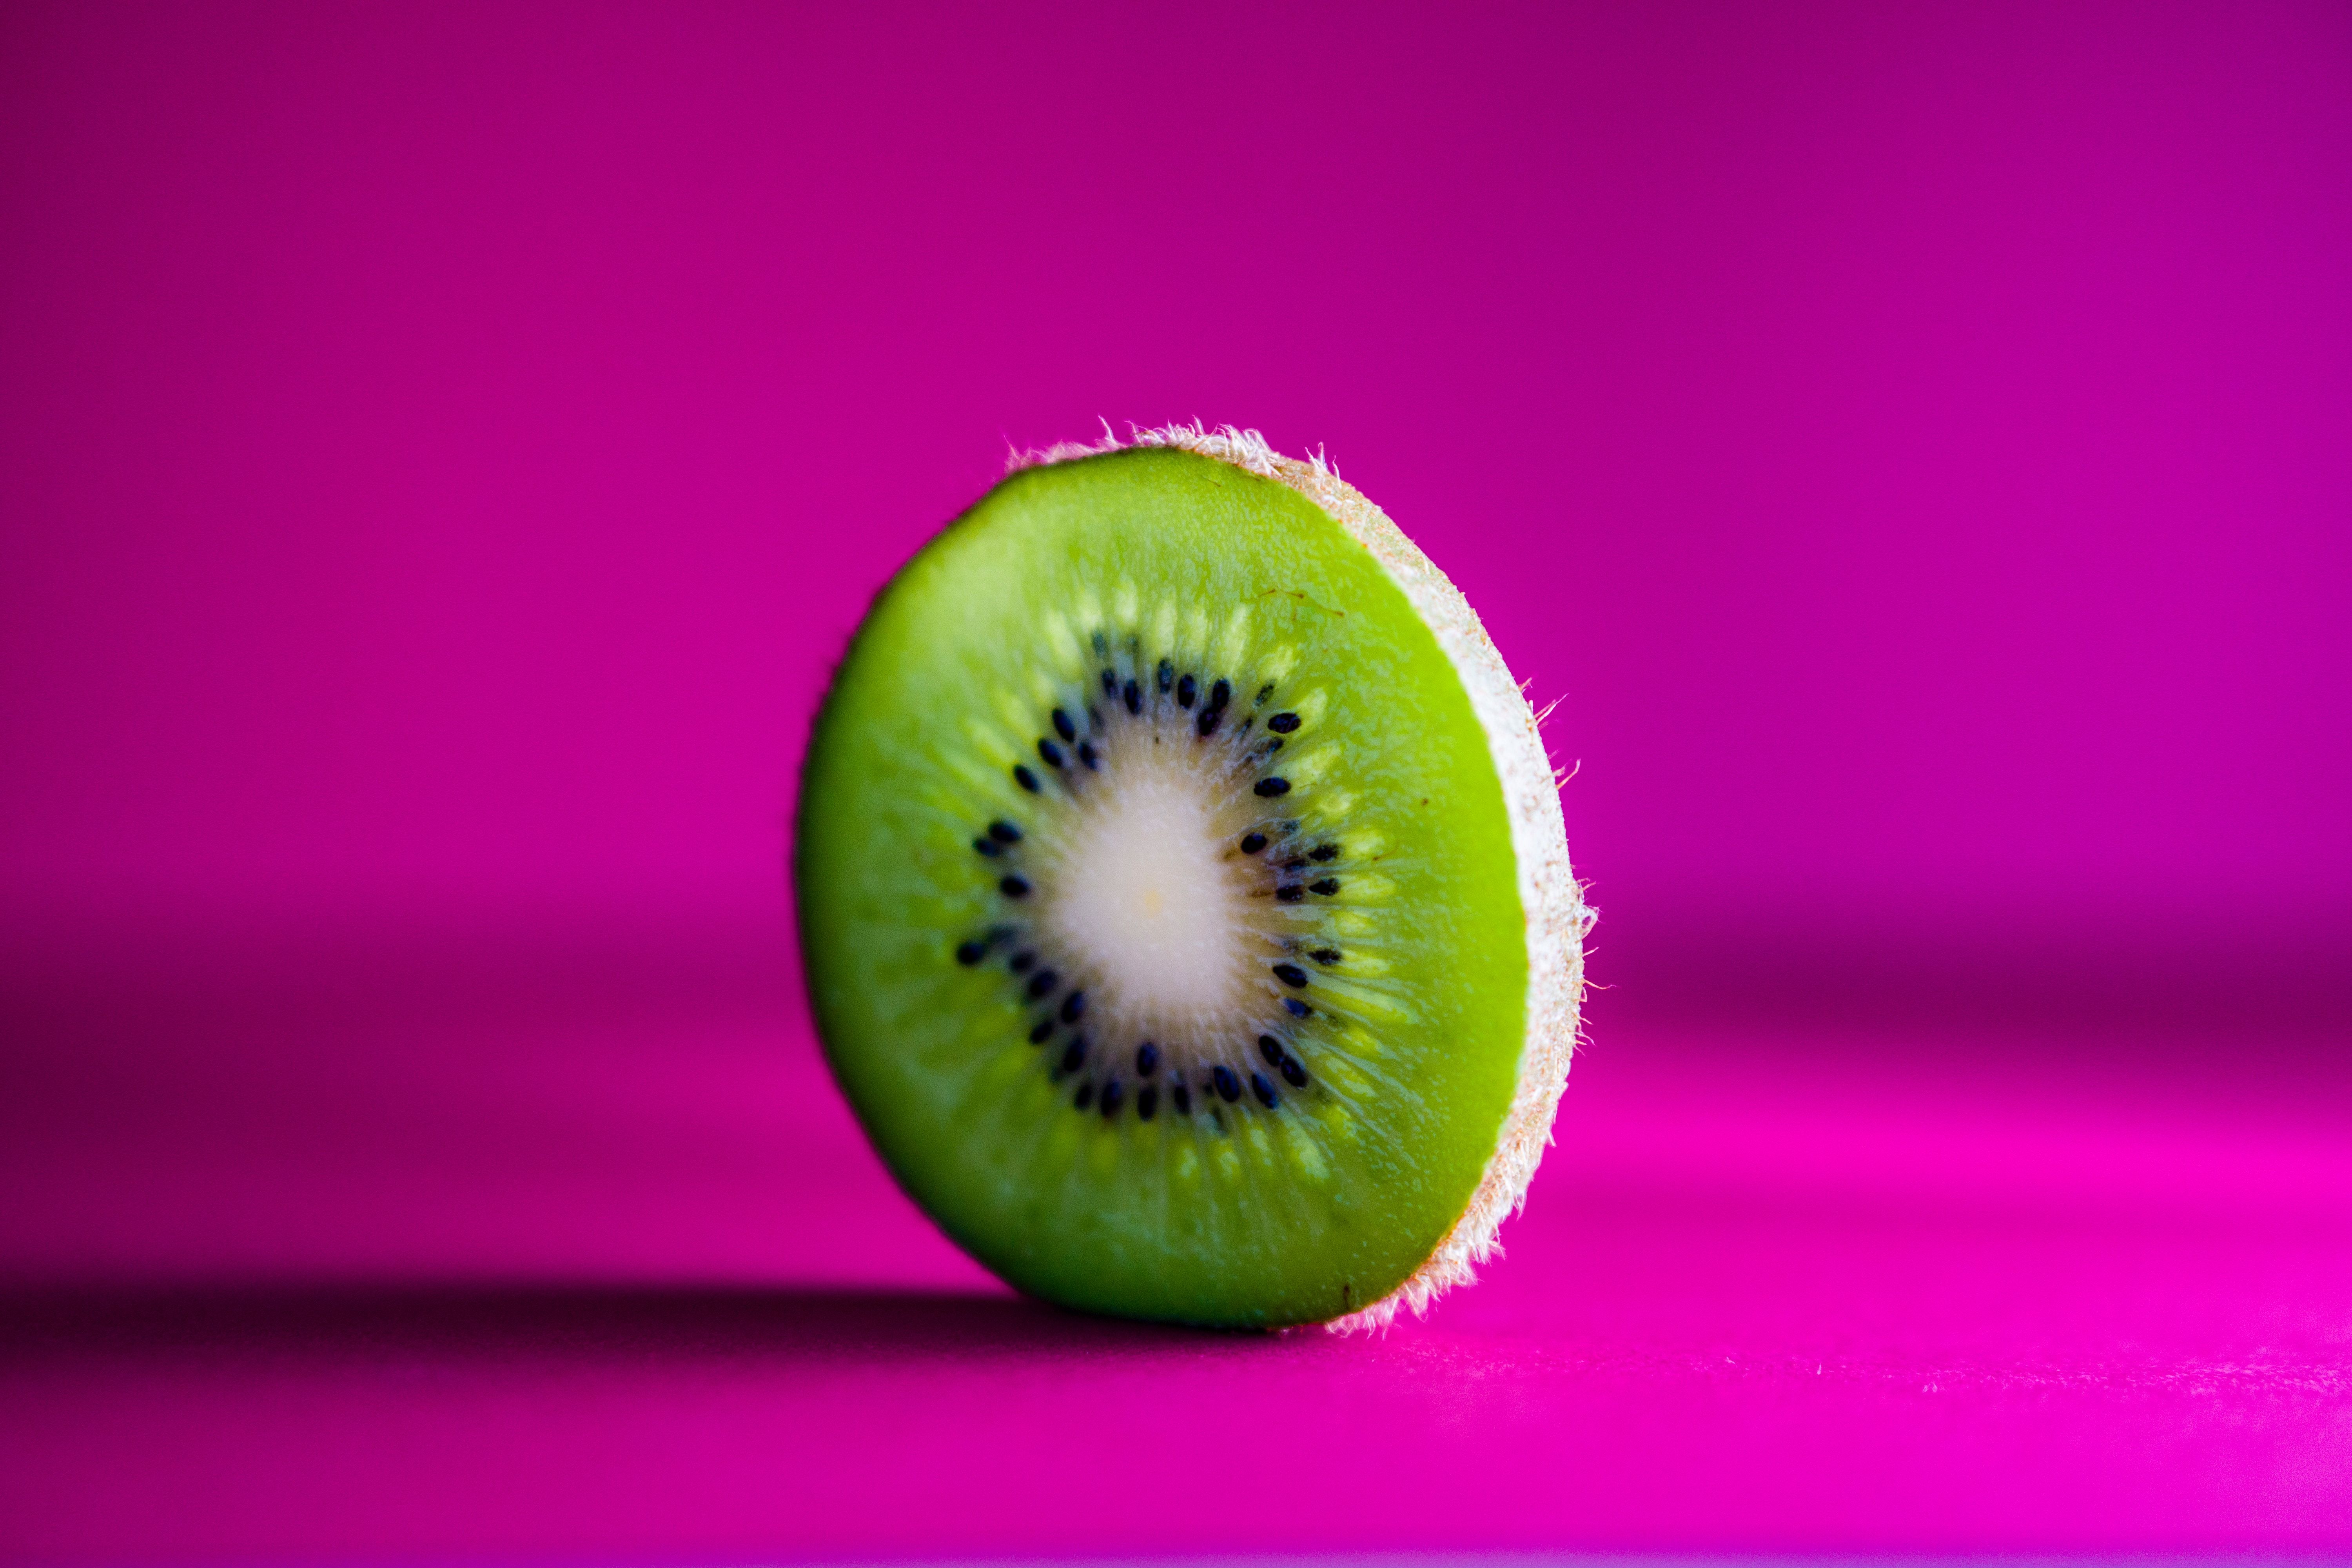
x=587 y=1260
x=442 y=449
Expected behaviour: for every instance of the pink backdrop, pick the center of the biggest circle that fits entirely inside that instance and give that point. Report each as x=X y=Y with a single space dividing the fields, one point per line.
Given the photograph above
x=441 y=450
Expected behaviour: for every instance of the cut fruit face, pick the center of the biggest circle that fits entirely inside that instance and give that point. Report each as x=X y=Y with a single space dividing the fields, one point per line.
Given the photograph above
x=1176 y=924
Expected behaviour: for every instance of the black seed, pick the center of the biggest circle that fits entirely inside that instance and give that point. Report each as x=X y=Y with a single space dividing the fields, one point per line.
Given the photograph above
x=1326 y=887
x=1014 y=887
x=1073 y=1054
x=1185 y=691
x=1323 y=852
x=970 y=952
x=1166 y=675
x=1271 y=1049
x=1295 y=864
x=1133 y=697
x=1062 y=727
x=1072 y=1006
x=1263 y=1089
x=1264 y=692
x=1147 y=1059
x=1293 y=1073
x=1041 y=984
x=1290 y=975
x=1044 y=1029
x=1005 y=833
x=1024 y=778
x=1022 y=961
x=1325 y=955
x=1269 y=748
x=1220 y=695
x=1298 y=1009
x=1085 y=1095
x=1268 y=788
x=1290 y=892
x=1283 y=723
x=1102 y=644
x=1086 y=754
x=1113 y=1092
x=987 y=846
x=1147 y=1101
x=1110 y=684
x=1209 y=719
x=1051 y=753
x=1181 y=1097
x=1229 y=1087
x=1253 y=842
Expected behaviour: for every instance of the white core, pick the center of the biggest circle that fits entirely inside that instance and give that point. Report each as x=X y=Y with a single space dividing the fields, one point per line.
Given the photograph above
x=1145 y=896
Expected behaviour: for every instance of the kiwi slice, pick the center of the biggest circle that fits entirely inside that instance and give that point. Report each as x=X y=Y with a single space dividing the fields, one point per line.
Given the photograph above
x=1182 y=893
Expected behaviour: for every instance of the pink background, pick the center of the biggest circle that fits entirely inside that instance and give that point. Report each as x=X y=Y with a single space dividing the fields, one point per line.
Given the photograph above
x=441 y=451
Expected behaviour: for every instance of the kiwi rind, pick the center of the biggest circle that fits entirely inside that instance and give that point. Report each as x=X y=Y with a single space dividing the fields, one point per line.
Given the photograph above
x=1553 y=919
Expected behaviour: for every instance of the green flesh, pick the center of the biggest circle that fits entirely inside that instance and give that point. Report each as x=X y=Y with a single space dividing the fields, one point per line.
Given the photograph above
x=1237 y=1214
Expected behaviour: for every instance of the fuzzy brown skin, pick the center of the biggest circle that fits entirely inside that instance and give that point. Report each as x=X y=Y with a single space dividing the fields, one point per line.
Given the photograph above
x=1549 y=895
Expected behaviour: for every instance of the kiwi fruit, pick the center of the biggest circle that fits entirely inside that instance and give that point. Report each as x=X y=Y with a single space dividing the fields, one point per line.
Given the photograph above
x=1183 y=899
